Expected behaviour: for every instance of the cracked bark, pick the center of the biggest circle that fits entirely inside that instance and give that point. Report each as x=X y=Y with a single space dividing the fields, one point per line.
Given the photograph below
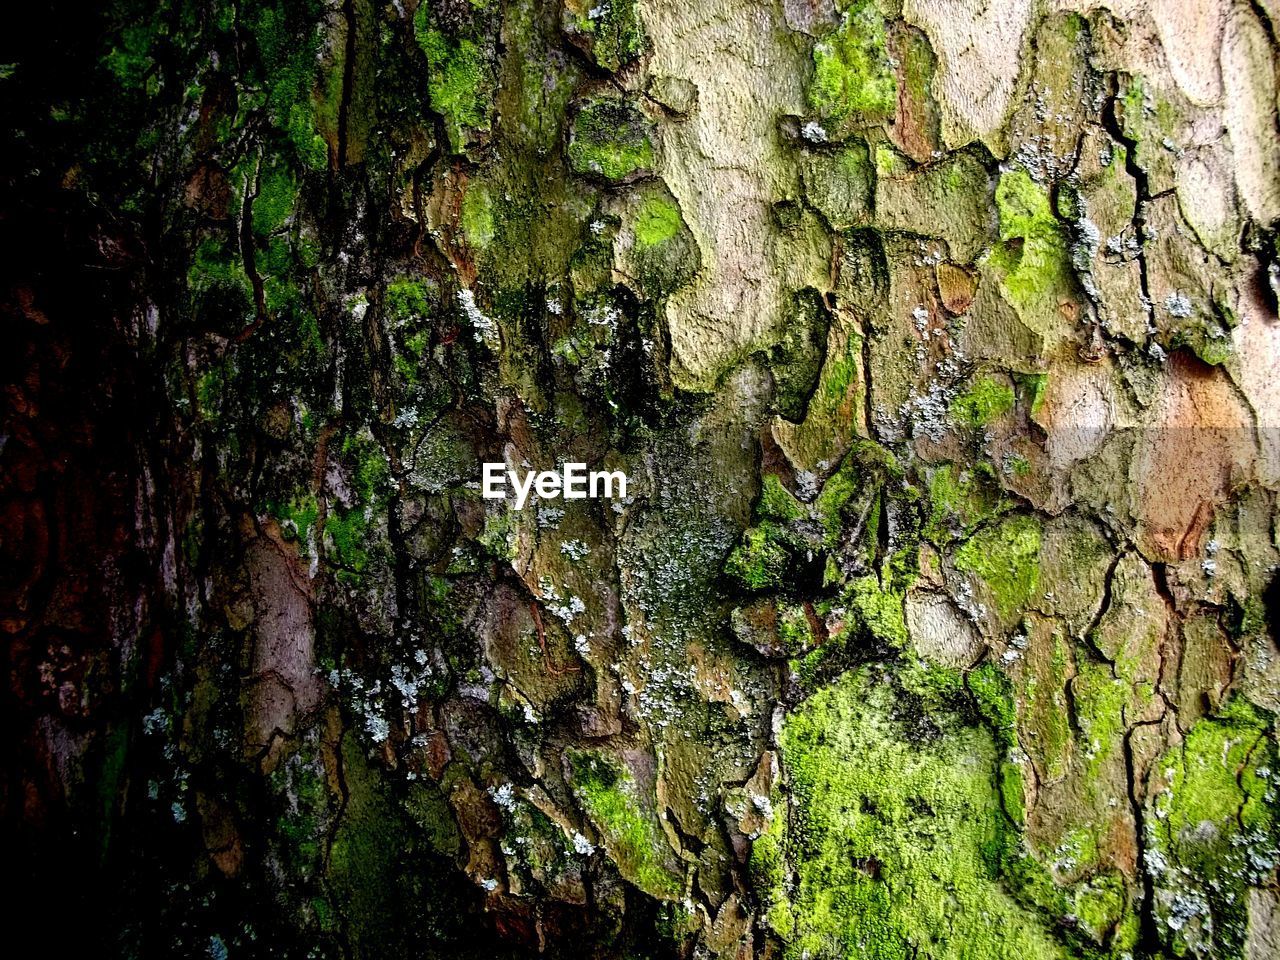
x=281 y=683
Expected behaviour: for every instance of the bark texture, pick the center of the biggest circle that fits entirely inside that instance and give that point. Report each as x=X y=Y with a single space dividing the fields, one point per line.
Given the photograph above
x=937 y=337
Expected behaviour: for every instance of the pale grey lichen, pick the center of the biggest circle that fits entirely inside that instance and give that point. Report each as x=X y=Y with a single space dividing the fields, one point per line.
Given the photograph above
x=484 y=328
x=1178 y=304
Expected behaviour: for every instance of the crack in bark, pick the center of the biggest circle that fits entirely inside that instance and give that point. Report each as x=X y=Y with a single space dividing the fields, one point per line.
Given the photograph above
x=1104 y=606
x=248 y=255
x=1149 y=934
x=1142 y=187
x=348 y=82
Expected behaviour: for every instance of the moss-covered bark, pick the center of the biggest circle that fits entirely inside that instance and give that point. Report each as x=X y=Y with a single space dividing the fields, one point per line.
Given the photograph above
x=937 y=339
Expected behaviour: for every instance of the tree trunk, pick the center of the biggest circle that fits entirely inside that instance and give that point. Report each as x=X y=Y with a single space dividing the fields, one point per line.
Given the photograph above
x=937 y=340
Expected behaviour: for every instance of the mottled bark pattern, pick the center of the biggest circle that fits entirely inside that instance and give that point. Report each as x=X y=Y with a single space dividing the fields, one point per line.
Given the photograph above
x=938 y=339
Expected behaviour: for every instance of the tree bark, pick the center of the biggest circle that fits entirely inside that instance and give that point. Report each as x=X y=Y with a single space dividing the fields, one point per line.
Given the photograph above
x=937 y=340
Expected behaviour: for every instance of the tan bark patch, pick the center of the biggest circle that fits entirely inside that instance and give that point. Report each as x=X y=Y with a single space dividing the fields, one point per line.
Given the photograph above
x=1196 y=446
x=1257 y=344
x=725 y=165
x=1248 y=69
x=1190 y=33
x=979 y=48
x=283 y=683
x=939 y=631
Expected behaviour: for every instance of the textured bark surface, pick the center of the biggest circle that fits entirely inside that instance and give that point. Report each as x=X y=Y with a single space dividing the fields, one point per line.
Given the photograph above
x=938 y=339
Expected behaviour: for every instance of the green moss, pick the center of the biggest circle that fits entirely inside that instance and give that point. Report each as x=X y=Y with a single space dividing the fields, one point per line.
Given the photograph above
x=311 y=341
x=852 y=77
x=895 y=843
x=610 y=138
x=1215 y=774
x=841 y=185
x=345 y=530
x=499 y=534
x=575 y=348
x=111 y=781
x=276 y=198
x=789 y=536
x=296 y=517
x=617 y=36
x=769 y=868
x=304 y=802
x=796 y=360
x=933 y=687
x=760 y=561
x=657 y=221
x=919 y=64
x=794 y=629
x=368 y=465
x=410 y=358
x=1149 y=121
x=664 y=255
x=130 y=59
x=382 y=876
x=1099 y=906
x=1213 y=351
x=477 y=215
x=328 y=95
x=1013 y=800
x=348 y=530
x=288 y=41
x=993 y=694
x=1007 y=559
x=835 y=408
x=1078 y=849
x=212 y=389
x=1033 y=260
x=836 y=493
x=308 y=251
x=1216 y=829
x=985 y=401
x=777 y=503
x=417 y=343
x=280 y=294
x=406 y=300
x=610 y=798
x=1246 y=617
x=459 y=79
x=865 y=468
x=1206 y=336
x=216 y=268
x=961 y=500
x=276 y=261
x=1100 y=701
x=888 y=162
x=299 y=124
x=1023 y=205
x=1033 y=386
x=877 y=610
x=359 y=858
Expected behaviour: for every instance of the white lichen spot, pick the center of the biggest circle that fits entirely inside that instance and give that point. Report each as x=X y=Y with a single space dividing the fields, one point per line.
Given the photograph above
x=814 y=132
x=1178 y=304
x=484 y=327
